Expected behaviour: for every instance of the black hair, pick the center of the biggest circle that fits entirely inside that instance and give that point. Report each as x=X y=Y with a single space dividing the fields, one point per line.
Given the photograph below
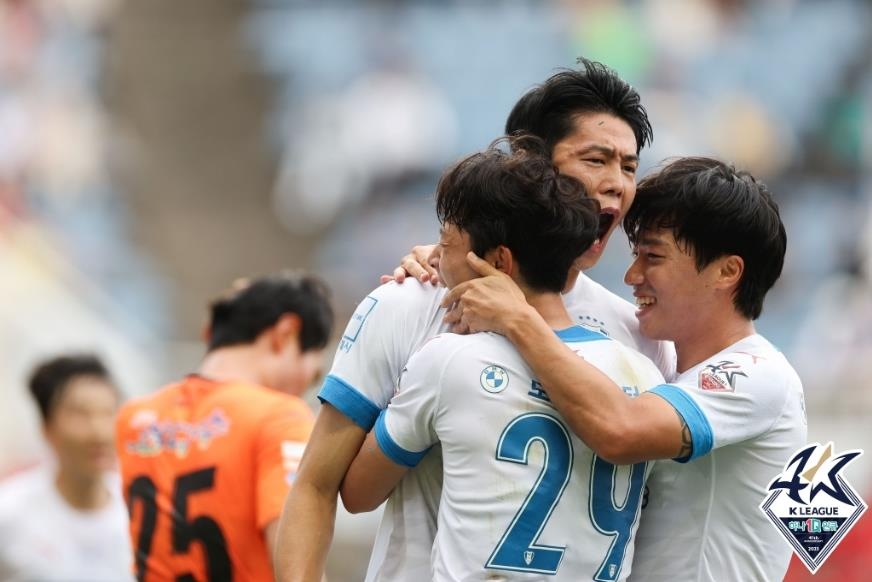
x=519 y=200
x=50 y=378
x=548 y=111
x=242 y=315
x=715 y=210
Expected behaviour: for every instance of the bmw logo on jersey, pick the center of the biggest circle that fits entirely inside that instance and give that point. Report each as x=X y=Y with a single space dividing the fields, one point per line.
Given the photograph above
x=494 y=379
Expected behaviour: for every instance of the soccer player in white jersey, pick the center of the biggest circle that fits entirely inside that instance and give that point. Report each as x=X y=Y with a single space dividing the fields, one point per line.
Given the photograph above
x=521 y=495
x=709 y=244
x=594 y=126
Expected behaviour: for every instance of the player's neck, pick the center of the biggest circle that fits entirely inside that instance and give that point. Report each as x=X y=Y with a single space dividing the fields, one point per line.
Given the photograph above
x=84 y=493
x=711 y=339
x=232 y=364
x=551 y=307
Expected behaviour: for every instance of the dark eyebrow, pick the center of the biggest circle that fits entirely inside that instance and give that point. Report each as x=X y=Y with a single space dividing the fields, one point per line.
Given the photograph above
x=607 y=151
x=650 y=241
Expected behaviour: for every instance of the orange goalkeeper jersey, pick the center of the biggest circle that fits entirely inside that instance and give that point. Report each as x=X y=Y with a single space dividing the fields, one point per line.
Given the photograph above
x=206 y=466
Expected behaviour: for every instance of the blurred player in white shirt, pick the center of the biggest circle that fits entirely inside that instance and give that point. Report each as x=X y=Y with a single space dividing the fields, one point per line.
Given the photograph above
x=709 y=244
x=593 y=126
x=67 y=521
x=521 y=495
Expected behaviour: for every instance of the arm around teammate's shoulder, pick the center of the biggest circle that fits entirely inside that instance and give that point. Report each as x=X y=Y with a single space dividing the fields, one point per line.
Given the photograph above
x=305 y=530
x=619 y=429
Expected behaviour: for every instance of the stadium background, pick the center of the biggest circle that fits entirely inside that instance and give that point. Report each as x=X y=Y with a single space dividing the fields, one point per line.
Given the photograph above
x=152 y=151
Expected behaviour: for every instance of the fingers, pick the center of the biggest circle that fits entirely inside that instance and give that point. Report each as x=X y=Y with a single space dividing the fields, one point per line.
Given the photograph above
x=385 y=279
x=422 y=272
x=454 y=294
x=452 y=317
x=481 y=266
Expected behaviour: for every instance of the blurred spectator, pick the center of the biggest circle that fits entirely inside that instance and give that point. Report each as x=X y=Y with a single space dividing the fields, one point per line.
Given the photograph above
x=68 y=521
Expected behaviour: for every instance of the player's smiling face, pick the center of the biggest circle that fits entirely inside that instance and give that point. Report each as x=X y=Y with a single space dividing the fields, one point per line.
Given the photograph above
x=668 y=287
x=601 y=153
x=450 y=255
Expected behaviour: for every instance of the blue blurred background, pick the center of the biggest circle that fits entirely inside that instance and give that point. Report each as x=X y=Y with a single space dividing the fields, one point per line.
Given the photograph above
x=152 y=152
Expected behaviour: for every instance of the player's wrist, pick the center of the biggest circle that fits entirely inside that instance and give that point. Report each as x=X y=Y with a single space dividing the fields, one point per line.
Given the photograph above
x=521 y=323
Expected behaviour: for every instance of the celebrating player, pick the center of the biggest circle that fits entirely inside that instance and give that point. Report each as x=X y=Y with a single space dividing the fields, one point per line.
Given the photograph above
x=207 y=462
x=709 y=244
x=593 y=126
x=521 y=495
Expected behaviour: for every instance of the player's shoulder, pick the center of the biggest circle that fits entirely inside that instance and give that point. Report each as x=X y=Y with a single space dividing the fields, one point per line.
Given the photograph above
x=256 y=401
x=411 y=293
x=18 y=489
x=752 y=364
x=590 y=291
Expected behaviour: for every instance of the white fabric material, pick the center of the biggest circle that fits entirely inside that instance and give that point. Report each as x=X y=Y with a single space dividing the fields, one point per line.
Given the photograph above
x=702 y=521
x=43 y=538
x=476 y=396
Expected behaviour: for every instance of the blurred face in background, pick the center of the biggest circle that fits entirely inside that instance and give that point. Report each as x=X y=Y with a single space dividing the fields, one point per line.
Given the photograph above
x=80 y=426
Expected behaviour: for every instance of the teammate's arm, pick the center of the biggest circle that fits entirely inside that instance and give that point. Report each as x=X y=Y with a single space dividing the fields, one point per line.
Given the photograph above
x=371 y=478
x=617 y=428
x=305 y=530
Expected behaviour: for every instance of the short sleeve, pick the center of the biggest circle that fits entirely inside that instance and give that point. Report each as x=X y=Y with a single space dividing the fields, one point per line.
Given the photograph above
x=405 y=431
x=385 y=329
x=279 y=447
x=726 y=401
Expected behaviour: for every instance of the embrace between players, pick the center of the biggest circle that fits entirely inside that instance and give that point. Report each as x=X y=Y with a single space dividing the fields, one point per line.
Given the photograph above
x=587 y=439
x=636 y=445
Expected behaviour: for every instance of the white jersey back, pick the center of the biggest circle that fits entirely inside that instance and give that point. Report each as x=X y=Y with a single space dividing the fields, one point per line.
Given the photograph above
x=593 y=306
x=522 y=496
x=745 y=409
x=389 y=325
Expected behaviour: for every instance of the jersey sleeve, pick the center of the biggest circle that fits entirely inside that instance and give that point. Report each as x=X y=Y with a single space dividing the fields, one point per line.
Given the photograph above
x=405 y=430
x=279 y=447
x=384 y=331
x=726 y=402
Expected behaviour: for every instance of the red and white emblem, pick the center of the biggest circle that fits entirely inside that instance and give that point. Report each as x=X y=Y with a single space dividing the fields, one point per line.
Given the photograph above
x=721 y=376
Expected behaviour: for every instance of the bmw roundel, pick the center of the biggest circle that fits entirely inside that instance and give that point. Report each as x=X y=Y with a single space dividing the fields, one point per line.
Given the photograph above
x=494 y=379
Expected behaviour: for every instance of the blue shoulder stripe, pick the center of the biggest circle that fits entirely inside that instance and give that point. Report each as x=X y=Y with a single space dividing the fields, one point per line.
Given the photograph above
x=391 y=449
x=347 y=400
x=700 y=429
x=576 y=333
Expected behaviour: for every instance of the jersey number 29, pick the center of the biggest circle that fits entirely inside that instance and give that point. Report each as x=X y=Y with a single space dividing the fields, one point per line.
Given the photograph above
x=518 y=549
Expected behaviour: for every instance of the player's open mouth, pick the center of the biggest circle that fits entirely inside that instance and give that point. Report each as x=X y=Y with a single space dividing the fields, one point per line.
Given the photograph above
x=607 y=218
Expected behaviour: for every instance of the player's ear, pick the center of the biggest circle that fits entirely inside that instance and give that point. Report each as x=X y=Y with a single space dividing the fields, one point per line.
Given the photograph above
x=501 y=258
x=286 y=329
x=730 y=271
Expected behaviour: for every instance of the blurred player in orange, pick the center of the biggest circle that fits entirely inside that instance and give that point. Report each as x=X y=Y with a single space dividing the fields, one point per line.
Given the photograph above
x=66 y=520
x=207 y=462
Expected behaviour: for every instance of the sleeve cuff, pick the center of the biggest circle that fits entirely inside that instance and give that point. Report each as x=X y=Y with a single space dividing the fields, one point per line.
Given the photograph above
x=347 y=400
x=686 y=406
x=391 y=449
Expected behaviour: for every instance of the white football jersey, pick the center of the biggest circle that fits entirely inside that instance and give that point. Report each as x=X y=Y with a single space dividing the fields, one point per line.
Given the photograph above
x=593 y=306
x=43 y=538
x=745 y=409
x=387 y=327
x=522 y=496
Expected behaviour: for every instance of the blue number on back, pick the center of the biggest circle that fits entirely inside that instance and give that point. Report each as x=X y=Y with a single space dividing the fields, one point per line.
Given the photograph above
x=610 y=518
x=517 y=550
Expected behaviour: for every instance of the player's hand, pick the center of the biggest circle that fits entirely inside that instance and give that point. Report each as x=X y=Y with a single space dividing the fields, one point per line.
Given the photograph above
x=485 y=303
x=416 y=264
